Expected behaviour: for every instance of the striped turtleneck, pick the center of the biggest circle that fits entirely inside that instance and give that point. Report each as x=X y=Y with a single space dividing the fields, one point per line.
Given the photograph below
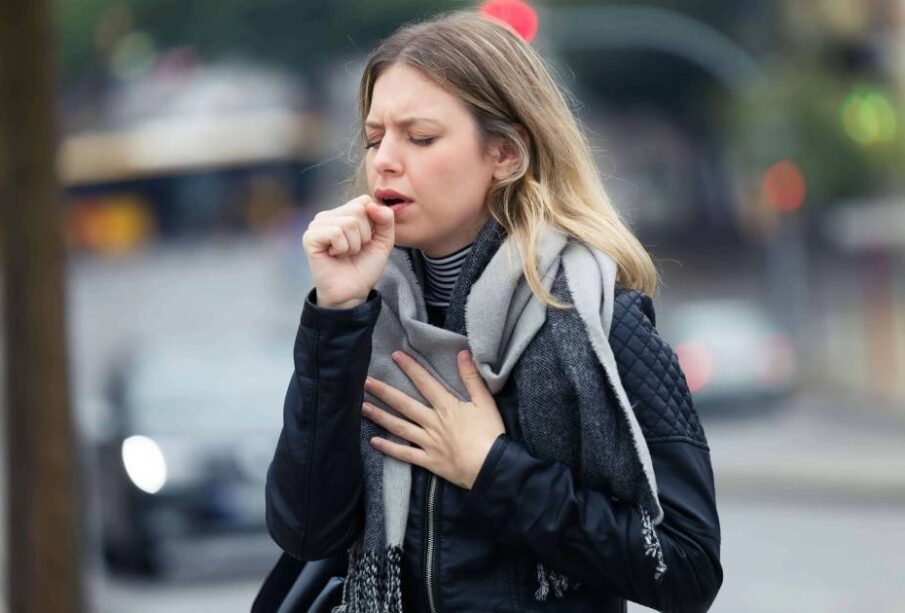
x=441 y=274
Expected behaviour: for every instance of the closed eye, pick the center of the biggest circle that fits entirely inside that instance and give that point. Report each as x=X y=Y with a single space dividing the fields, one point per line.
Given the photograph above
x=422 y=142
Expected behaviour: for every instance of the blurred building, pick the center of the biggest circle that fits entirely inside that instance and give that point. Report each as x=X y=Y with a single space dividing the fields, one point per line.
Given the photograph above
x=188 y=149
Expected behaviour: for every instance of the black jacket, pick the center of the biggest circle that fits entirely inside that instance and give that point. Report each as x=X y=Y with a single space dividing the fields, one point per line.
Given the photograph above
x=485 y=542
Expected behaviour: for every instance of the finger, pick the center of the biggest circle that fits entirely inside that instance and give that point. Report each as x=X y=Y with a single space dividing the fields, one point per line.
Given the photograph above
x=353 y=206
x=384 y=223
x=429 y=387
x=339 y=244
x=403 y=453
x=471 y=377
x=352 y=231
x=396 y=425
x=320 y=238
x=365 y=229
x=402 y=402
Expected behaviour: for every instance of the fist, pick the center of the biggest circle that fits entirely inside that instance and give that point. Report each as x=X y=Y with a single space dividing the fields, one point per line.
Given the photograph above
x=347 y=250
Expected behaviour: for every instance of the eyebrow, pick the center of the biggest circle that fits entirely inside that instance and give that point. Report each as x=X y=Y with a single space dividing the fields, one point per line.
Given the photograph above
x=402 y=122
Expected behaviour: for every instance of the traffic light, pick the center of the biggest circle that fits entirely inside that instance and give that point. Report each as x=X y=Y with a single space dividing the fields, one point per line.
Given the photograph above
x=515 y=13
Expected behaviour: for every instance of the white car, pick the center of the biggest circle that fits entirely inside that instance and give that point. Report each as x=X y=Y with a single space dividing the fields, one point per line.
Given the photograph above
x=730 y=351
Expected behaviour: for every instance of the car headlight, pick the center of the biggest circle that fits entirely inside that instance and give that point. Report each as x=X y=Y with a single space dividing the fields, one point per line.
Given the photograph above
x=144 y=463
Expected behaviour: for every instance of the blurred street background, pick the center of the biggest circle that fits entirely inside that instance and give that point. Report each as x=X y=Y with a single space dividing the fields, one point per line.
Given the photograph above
x=756 y=148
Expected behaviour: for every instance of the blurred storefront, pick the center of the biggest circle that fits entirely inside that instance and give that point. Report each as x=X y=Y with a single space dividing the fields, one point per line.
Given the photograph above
x=190 y=150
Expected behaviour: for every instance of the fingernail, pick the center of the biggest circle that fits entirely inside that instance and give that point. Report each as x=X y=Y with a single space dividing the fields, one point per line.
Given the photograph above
x=397 y=355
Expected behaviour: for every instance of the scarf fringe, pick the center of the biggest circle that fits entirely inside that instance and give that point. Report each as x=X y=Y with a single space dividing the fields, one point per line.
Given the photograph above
x=652 y=547
x=548 y=580
x=373 y=583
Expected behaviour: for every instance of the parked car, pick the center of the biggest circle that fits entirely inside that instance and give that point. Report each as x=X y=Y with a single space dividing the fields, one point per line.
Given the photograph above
x=185 y=459
x=731 y=352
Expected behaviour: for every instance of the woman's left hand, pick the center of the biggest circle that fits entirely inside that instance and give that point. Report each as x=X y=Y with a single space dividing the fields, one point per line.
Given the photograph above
x=452 y=439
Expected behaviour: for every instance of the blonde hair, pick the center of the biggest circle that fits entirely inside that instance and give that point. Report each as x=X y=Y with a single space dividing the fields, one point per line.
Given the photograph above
x=505 y=83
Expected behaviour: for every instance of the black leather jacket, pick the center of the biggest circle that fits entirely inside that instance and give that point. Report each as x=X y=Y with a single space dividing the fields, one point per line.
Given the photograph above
x=476 y=550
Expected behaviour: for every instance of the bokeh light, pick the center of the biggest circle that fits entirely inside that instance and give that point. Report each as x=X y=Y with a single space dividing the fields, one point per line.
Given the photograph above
x=515 y=13
x=783 y=186
x=868 y=117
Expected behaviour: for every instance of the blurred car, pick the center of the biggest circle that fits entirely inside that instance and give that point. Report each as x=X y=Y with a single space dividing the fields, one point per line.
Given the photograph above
x=731 y=352
x=192 y=432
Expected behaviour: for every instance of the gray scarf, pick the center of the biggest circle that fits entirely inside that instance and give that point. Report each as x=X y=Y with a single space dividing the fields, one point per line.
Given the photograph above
x=500 y=319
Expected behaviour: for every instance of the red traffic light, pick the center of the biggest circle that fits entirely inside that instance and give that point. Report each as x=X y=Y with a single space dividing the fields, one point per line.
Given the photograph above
x=783 y=186
x=516 y=14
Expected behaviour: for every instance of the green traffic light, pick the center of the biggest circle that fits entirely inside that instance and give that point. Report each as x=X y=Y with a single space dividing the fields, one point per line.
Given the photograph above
x=868 y=117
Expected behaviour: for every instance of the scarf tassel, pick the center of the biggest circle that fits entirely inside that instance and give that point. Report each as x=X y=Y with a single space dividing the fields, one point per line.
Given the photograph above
x=559 y=584
x=373 y=582
x=548 y=579
x=652 y=547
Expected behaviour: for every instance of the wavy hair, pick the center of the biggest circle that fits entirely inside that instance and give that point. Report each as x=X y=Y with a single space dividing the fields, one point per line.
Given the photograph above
x=505 y=83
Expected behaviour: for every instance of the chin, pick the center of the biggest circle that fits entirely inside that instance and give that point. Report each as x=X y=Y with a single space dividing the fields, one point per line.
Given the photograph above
x=403 y=239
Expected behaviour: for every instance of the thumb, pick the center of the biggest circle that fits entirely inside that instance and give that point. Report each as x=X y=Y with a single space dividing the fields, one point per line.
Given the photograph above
x=384 y=223
x=471 y=377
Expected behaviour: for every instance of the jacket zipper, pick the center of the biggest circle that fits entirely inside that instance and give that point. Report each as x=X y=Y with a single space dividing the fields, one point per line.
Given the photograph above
x=429 y=569
x=429 y=549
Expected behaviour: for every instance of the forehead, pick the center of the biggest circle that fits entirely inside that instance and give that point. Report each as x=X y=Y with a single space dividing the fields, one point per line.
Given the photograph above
x=402 y=92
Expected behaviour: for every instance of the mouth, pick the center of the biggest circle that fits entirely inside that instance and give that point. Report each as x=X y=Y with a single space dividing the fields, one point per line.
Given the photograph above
x=391 y=198
x=390 y=202
x=397 y=205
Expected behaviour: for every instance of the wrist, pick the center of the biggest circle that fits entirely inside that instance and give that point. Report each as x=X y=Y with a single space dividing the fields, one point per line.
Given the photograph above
x=348 y=304
x=343 y=304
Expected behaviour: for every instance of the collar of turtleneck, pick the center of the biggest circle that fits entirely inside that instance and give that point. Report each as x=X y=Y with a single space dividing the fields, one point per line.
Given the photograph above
x=441 y=274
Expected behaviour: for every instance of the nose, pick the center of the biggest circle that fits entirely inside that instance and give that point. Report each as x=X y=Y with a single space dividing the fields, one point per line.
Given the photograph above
x=387 y=157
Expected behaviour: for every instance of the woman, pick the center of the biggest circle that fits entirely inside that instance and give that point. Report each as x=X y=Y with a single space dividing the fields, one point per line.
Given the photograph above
x=548 y=471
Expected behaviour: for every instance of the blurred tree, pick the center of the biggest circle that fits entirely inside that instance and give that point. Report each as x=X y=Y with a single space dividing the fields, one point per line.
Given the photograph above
x=43 y=544
x=829 y=105
x=296 y=34
x=839 y=129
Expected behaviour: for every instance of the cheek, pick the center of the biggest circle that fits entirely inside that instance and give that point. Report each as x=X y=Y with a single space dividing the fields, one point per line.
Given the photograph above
x=455 y=173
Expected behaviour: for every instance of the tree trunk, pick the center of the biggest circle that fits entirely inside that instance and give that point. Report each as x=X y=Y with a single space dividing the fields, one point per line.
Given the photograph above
x=43 y=541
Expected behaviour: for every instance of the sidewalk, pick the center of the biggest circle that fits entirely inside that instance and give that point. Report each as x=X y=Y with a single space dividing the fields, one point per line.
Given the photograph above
x=811 y=448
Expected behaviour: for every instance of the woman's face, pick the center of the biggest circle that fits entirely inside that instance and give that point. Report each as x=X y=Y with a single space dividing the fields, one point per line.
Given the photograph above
x=423 y=143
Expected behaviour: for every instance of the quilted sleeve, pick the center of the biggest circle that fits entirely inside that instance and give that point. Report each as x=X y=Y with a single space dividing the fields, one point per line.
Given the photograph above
x=651 y=374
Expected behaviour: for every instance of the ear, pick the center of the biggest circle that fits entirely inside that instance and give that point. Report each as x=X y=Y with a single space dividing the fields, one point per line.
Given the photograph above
x=506 y=156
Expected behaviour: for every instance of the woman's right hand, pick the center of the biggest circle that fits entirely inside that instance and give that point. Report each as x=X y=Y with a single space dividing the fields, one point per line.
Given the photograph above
x=347 y=250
